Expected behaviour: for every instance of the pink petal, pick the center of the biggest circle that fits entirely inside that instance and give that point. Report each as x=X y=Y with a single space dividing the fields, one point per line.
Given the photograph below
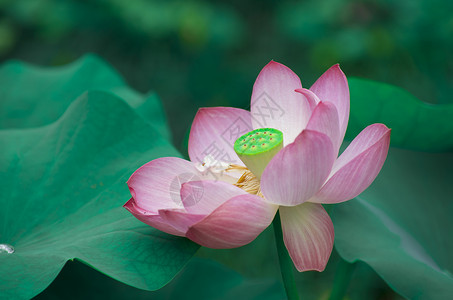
x=200 y=198
x=214 y=131
x=357 y=166
x=180 y=219
x=324 y=119
x=308 y=235
x=275 y=103
x=156 y=185
x=298 y=171
x=152 y=219
x=235 y=223
x=203 y=197
x=333 y=86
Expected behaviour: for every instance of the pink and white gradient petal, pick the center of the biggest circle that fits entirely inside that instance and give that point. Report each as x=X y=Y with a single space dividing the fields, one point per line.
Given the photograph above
x=211 y=133
x=275 y=103
x=297 y=172
x=180 y=219
x=357 y=167
x=333 y=86
x=235 y=223
x=200 y=198
x=156 y=185
x=308 y=235
x=152 y=219
x=203 y=197
x=325 y=119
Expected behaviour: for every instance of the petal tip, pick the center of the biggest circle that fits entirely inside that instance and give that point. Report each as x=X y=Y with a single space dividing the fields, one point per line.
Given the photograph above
x=205 y=110
x=131 y=207
x=389 y=129
x=202 y=110
x=128 y=204
x=382 y=127
x=302 y=91
x=318 y=269
x=274 y=64
x=336 y=67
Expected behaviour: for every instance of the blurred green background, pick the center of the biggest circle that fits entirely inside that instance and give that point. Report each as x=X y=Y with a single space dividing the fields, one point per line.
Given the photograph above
x=208 y=53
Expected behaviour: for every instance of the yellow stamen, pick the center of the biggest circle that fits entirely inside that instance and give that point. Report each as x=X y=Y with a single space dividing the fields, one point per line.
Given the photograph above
x=248 y=182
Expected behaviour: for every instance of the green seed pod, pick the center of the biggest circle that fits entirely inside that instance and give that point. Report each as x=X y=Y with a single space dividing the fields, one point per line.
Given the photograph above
x=258 y=147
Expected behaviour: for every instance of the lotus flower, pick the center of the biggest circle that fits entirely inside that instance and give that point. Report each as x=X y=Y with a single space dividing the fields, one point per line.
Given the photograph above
x=246 y=165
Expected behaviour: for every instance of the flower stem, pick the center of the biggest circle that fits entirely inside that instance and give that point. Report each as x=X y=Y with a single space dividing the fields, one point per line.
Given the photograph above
x=286 y=264
x=342 y=278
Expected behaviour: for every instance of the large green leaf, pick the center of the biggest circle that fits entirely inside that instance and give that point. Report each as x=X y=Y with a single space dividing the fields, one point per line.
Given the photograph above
x=259 y=260
x=414 y=124
x=34 y=96
x=401 y=226
x=200 y=279
x=61 y=191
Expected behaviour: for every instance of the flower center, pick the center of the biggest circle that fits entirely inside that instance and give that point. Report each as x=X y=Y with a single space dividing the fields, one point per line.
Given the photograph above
x=248 y=182
x=258 y=147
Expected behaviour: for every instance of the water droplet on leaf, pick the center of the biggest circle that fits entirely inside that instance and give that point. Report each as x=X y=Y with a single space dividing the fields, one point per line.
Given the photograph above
x=5 y=248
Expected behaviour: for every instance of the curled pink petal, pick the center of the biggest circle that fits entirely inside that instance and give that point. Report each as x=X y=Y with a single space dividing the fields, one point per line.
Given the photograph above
x=325 y=119
x=156 y=185
x=235 y=223
x=152 y=219
x=203 y=197
x=333 y=86
x=311 y=97
x=298 y=171
x=275 y=103
x=308 y=235
x=214 y=131
x=357 y=167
